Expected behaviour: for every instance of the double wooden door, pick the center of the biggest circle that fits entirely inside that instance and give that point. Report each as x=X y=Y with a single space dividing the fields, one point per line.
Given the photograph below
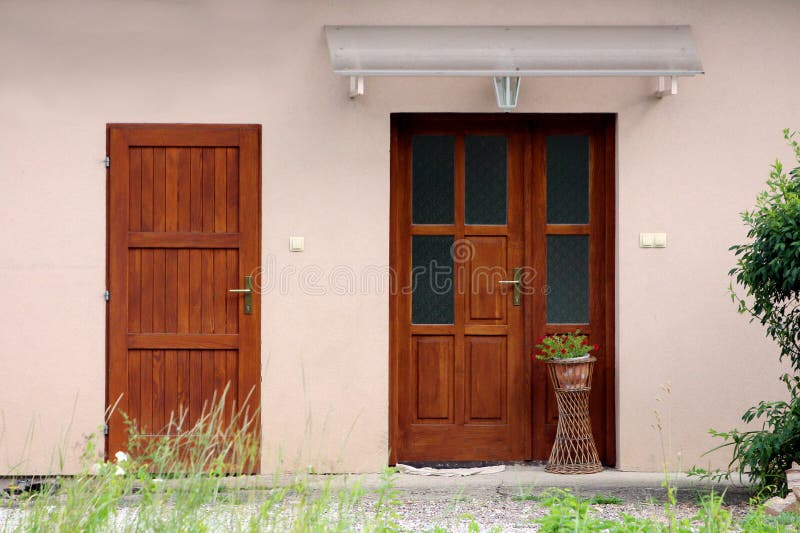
x=502 y=232
x=184 y=227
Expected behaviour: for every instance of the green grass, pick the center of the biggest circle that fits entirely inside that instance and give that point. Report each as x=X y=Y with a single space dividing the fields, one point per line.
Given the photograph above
x=758 y=522
x=527 y=497
x=604 y=499
x=181 y=484
x=568 y=513
x=597 y=499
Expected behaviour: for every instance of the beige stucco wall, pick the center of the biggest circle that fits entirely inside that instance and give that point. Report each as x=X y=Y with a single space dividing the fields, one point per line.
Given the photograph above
x=686 y=165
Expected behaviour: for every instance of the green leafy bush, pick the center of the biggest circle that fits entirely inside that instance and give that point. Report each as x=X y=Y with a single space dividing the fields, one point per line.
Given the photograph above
x=768 y=272
x=768 y=267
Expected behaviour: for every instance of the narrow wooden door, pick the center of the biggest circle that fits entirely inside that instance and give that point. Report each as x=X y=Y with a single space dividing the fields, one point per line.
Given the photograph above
x=502 y=232
x=460 y=384
x=184 y=227
x=570 y=243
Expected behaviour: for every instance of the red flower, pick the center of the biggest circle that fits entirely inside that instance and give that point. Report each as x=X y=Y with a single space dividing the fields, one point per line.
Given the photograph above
x=596 y=347
x=583 y=341
x=563 y=351
x=540 y=340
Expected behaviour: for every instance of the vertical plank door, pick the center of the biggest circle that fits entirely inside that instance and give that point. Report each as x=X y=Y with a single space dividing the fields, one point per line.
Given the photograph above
x=184 y=227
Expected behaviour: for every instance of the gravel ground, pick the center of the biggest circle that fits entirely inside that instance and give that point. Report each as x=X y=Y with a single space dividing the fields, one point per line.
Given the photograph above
x=513 y=516
x=496 y=502
x=495 y=512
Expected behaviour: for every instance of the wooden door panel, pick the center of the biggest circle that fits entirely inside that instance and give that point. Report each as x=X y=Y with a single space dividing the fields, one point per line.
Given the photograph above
x=433 y=360
x=159 y=386
x=184 y=227
x=159 y=304
x=487 y=378
x=486 y=299
x=183 y=189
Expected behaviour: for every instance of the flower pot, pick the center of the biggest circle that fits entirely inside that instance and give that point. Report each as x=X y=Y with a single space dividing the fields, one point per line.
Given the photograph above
x=573 y=373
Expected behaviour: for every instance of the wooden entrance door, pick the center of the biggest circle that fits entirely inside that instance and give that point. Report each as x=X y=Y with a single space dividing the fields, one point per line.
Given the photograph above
x=184 y=227
x=502 y=232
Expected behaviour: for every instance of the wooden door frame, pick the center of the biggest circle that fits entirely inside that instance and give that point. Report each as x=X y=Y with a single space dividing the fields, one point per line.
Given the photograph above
x=163 y=132
x=605 y=126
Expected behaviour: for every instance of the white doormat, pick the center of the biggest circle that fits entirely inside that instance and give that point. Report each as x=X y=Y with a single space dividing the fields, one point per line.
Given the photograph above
x=449 y=472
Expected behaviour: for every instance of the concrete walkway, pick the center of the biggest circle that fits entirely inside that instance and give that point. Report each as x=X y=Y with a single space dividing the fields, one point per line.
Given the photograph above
x=524 y=480
x=514 y=481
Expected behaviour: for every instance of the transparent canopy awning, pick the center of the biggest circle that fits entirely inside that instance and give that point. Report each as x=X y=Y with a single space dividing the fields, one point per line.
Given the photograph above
x=508 y=53
x=513 y=51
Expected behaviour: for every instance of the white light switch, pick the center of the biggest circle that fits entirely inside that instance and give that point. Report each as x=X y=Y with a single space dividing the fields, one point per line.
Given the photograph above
x=652 y=240
x=297 y=244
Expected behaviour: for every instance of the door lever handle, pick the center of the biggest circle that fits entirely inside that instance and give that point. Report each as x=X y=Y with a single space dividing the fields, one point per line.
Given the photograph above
x=248 y=294
x=517 y=283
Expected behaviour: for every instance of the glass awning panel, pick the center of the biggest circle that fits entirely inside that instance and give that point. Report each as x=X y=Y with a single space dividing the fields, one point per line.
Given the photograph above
x=513 y=51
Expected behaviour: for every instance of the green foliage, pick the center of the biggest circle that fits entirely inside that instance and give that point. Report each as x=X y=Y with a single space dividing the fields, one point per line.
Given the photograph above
x=675 y=524
x=712 y=516
x=472 y=524
x=764 y=455
x=604 y=499
x=758 y=522
x=568 y=513
x=566 y=346
x=597 y=499
x=768 y=270
x=768 y=267
x=385 y=517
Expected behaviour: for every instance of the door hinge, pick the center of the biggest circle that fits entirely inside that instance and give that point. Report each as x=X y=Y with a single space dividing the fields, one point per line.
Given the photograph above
x=105 y=430
x=108 y=161
x=107 y=295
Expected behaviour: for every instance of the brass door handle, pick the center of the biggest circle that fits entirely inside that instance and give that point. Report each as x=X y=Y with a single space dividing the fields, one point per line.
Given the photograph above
x=517 y=283
x=248 y=294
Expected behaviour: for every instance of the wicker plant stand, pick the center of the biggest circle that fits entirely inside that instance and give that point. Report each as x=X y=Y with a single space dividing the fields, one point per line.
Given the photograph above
x=574 y=451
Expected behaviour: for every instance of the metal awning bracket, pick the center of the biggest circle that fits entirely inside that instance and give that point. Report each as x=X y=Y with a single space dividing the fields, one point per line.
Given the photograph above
x=356 y=86
x=507 y=91
x=663 y=90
